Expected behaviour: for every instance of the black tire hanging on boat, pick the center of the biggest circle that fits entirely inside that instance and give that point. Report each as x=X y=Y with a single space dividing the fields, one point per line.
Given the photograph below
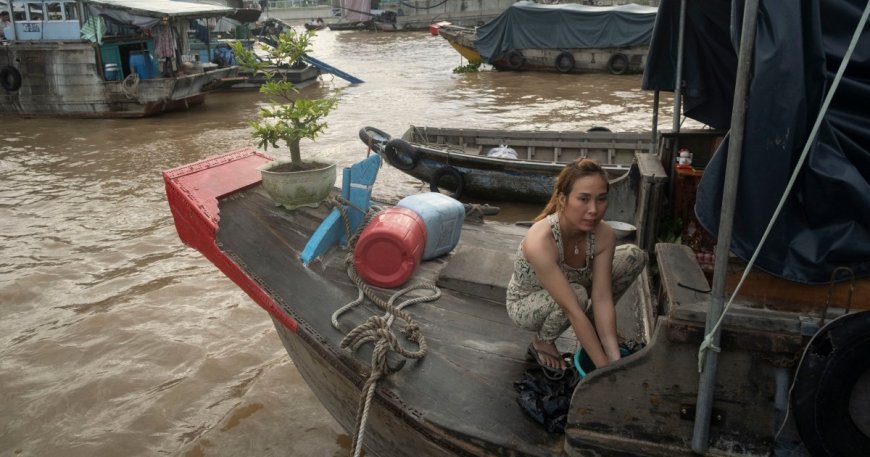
x=375 y=138
x=832 y=377
x=10 y=78
x=401 y=154
x=452 y=173
x=564 y=62
x=514 y=59
x=598 y=128
x=618 y=64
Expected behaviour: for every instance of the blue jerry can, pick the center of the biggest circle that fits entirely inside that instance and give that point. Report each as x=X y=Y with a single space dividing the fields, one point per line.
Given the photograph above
x=443 y=217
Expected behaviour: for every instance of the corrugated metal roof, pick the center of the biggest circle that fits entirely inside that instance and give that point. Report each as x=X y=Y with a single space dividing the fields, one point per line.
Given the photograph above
x=166 y=7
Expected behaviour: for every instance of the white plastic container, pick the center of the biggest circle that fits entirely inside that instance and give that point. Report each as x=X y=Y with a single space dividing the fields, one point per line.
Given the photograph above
x=443 y=217
x=111 y=71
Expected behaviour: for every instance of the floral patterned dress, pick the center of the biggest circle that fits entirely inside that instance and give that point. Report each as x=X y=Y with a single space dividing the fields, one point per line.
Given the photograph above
x=530 y=305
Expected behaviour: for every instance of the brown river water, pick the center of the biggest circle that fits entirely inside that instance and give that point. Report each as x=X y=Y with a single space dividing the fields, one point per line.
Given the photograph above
x=117 y=340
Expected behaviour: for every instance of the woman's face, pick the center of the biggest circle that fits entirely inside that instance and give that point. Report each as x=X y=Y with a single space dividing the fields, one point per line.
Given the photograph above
x=585 y=205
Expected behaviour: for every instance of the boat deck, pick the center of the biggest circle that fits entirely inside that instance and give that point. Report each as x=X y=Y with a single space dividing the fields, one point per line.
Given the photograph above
x=462 y=391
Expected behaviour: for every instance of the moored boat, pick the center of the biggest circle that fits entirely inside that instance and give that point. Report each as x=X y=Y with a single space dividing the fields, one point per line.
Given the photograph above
x=565 y=38
x=794 y=377
x=462 y=39
x=473 y=353
x=300 y=73
x=316 y=24
x=475 y=159
x=91 y=58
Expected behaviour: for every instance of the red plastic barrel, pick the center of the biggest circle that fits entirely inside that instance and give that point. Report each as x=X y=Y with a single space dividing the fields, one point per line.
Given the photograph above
x=390 y=247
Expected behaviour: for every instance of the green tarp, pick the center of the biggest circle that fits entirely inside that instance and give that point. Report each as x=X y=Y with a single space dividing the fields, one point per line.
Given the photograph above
x=527 y=25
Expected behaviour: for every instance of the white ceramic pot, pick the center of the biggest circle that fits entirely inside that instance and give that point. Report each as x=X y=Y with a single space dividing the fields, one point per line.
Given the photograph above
x=292 y=189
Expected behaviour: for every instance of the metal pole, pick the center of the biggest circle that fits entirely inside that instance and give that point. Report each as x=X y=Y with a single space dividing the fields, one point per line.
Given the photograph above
x=678 y=83
x=678 y=97
x=655 y=124
x=707 y=380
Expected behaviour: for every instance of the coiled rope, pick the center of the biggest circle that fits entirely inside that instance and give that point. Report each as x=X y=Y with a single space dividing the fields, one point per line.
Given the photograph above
x=376 y=329
x=130 y=85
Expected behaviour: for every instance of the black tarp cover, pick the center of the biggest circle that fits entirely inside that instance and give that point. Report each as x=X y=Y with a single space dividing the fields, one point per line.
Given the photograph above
x=527 y=25
x=799 y=46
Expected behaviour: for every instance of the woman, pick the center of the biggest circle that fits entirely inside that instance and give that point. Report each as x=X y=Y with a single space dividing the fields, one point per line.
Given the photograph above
x=567 y=259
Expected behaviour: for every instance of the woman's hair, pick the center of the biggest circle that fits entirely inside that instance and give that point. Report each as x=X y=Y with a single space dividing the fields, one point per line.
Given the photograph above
x=579 y=168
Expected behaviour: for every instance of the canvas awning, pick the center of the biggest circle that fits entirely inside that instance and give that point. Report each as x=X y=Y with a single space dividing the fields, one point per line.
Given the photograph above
x=159 y=8
x=527 y=25
x=825 y=223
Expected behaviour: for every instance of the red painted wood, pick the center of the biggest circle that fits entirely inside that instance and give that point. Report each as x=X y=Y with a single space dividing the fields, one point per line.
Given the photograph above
x=193 y=192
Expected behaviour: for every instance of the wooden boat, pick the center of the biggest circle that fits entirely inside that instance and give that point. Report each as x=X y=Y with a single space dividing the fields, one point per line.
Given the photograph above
x=435 y=26
x=795 y=377
x=579 y=38
x=351 y=25
x=458 y=398
x=460 y=160
x=300 y=73
x=315 y=25
x=462 y=40
x=412 y=16
x=49 y=70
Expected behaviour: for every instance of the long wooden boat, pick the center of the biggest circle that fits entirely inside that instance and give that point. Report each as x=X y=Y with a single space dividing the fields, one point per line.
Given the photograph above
x=458 y=398
x=460 y=160
x=794 y=375
x=578 y=38
x=48 y=69
x=462 y=40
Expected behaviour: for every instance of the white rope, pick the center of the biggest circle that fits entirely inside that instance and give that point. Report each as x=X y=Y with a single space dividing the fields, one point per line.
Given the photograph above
x=708 y=338
x=130 y=85
x=376 y=329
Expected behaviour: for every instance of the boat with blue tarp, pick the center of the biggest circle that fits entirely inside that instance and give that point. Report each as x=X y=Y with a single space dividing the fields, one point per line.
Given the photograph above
x=565 y=37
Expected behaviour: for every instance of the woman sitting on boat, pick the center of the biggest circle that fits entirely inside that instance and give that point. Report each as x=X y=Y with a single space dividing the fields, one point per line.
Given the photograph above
x=570 y=273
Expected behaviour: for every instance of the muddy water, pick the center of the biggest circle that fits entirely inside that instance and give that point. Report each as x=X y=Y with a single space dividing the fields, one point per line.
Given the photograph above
x=115 y=339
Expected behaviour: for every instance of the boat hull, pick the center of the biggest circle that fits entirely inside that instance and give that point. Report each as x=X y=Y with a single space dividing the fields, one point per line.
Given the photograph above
x=459 y=398
x=528 y=178
x=64 y=80
x=300 y=78
x=615 y=61
x=462 y=40
x=580 y=60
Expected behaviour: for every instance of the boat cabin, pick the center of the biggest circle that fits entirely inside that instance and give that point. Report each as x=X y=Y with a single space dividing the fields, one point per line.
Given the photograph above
x=41 y=20
x=151 y=39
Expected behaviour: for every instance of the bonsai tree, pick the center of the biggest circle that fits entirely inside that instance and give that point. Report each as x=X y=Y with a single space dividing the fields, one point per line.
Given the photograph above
x=290 y=118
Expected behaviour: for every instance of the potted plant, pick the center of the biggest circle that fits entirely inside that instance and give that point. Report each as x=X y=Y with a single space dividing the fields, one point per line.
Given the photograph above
x=289 y=119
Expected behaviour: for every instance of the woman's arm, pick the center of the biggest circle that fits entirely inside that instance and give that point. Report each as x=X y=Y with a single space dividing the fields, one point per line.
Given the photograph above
x=603 y=307
x=540 y=249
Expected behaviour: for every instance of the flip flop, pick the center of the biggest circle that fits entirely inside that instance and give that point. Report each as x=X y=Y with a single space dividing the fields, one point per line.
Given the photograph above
x=553 y=374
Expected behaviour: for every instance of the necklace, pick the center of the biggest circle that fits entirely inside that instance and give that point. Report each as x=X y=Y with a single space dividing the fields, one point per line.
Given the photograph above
x=576 y=246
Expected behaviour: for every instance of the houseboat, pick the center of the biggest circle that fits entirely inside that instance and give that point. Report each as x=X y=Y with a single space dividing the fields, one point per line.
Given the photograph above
x=565 y=38
x=104 y=58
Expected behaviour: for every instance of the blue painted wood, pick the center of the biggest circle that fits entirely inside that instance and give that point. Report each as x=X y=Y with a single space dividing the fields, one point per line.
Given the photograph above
x=330 y=69
x=356 y=187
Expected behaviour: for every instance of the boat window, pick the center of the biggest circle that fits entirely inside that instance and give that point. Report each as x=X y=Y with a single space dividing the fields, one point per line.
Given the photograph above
x=54 y=13
x=70 y=11
x=18 y=12
x=34 y=12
